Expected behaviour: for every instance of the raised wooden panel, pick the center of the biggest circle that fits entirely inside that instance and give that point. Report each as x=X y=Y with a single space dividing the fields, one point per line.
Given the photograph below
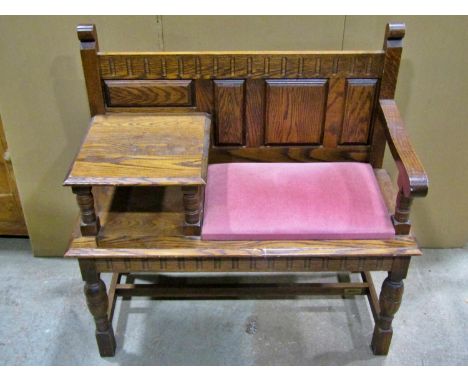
x=335 y=109
x=148 y=93
x=204 y=96
x=255 y=112
x=229 y=112
x=295 y=111
x=224 y=65
x=360 y=96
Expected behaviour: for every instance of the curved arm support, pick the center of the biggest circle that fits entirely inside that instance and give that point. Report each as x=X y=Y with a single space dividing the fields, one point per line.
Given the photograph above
x=412 y=179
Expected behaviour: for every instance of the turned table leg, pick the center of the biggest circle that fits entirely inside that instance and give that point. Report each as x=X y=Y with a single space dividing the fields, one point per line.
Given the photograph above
x=89 y=220
x=98 y=302
x=193 y=209
x=389 y=301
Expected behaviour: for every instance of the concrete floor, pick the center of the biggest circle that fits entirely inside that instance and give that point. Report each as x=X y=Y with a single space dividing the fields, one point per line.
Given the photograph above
x=44 y=321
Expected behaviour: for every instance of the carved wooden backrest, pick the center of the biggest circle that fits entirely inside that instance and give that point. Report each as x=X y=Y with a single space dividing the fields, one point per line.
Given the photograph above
x=266 y=106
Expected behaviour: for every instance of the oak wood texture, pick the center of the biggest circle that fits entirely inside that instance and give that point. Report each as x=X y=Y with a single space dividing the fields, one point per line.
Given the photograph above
x=334 y=114
x=392 y=46
x=389 y=302
x=238 y=89
x=234 y=65
x=87 y=34
x=229 y=103
x=98 y=304
x=360 y=96
x=243 y=124
x=176 y=287
x=371 y=295
x=193 y=200
x=138 y=150
x=295 y=111
x=107 y=260
x=232 y=86
x=180 y=287
x=266 y=106
x=11 y=213
x=412 y=178
x=148 y=93
x=89 y=222
x=204 y=95
x=290 y=153
x=116 y=277
x=254 y=112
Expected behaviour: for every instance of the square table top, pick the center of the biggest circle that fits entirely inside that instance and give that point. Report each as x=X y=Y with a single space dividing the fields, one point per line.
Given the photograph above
x=143 y=150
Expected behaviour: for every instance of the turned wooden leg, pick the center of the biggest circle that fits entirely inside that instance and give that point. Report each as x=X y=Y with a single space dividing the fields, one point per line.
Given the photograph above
x=389 y=301
x=402 y=211
x=98 y=303
x=193 y=208
x=89 y=221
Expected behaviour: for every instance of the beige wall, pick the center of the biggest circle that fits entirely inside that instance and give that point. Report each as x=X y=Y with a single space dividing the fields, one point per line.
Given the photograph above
x=44 y=109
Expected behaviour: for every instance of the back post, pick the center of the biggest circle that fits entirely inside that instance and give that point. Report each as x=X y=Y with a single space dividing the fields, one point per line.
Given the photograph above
x=393 y=46
x=89 y=46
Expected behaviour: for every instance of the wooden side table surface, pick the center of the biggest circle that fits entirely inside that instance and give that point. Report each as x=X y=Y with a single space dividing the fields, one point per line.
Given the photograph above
x=143 y=150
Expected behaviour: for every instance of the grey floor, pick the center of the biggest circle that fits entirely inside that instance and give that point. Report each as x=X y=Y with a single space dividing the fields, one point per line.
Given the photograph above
x=44 y=321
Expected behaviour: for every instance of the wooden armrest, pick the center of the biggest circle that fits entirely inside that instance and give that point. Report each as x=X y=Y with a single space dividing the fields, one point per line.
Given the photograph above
x=412 y=179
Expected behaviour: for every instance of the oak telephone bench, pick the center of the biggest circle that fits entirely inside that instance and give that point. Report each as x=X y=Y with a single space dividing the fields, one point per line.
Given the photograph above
x=243 y=162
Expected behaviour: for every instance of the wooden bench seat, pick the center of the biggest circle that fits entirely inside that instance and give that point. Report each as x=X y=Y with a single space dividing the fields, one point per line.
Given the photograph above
x=141 y=174
x=146 y=223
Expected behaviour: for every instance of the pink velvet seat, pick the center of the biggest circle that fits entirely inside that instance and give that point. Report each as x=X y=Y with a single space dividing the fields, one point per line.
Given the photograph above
x=294 y=201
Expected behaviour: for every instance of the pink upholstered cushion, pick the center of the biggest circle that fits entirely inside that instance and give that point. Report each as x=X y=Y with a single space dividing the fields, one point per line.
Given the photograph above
x=294 y=201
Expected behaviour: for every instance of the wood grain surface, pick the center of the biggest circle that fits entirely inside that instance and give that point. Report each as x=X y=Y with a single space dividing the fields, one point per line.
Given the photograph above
x=242 y=118
x=295 y=111
x=125 y=260
x=89 y=46
x=334 y=112
x=162 y=150
x=148 y=93
x=360 y=103
x=266 y=106
x=413 y=178
x=226 y=65
x=229 y=104
x=254 y=112
x=393 y=47
x=284 y=153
